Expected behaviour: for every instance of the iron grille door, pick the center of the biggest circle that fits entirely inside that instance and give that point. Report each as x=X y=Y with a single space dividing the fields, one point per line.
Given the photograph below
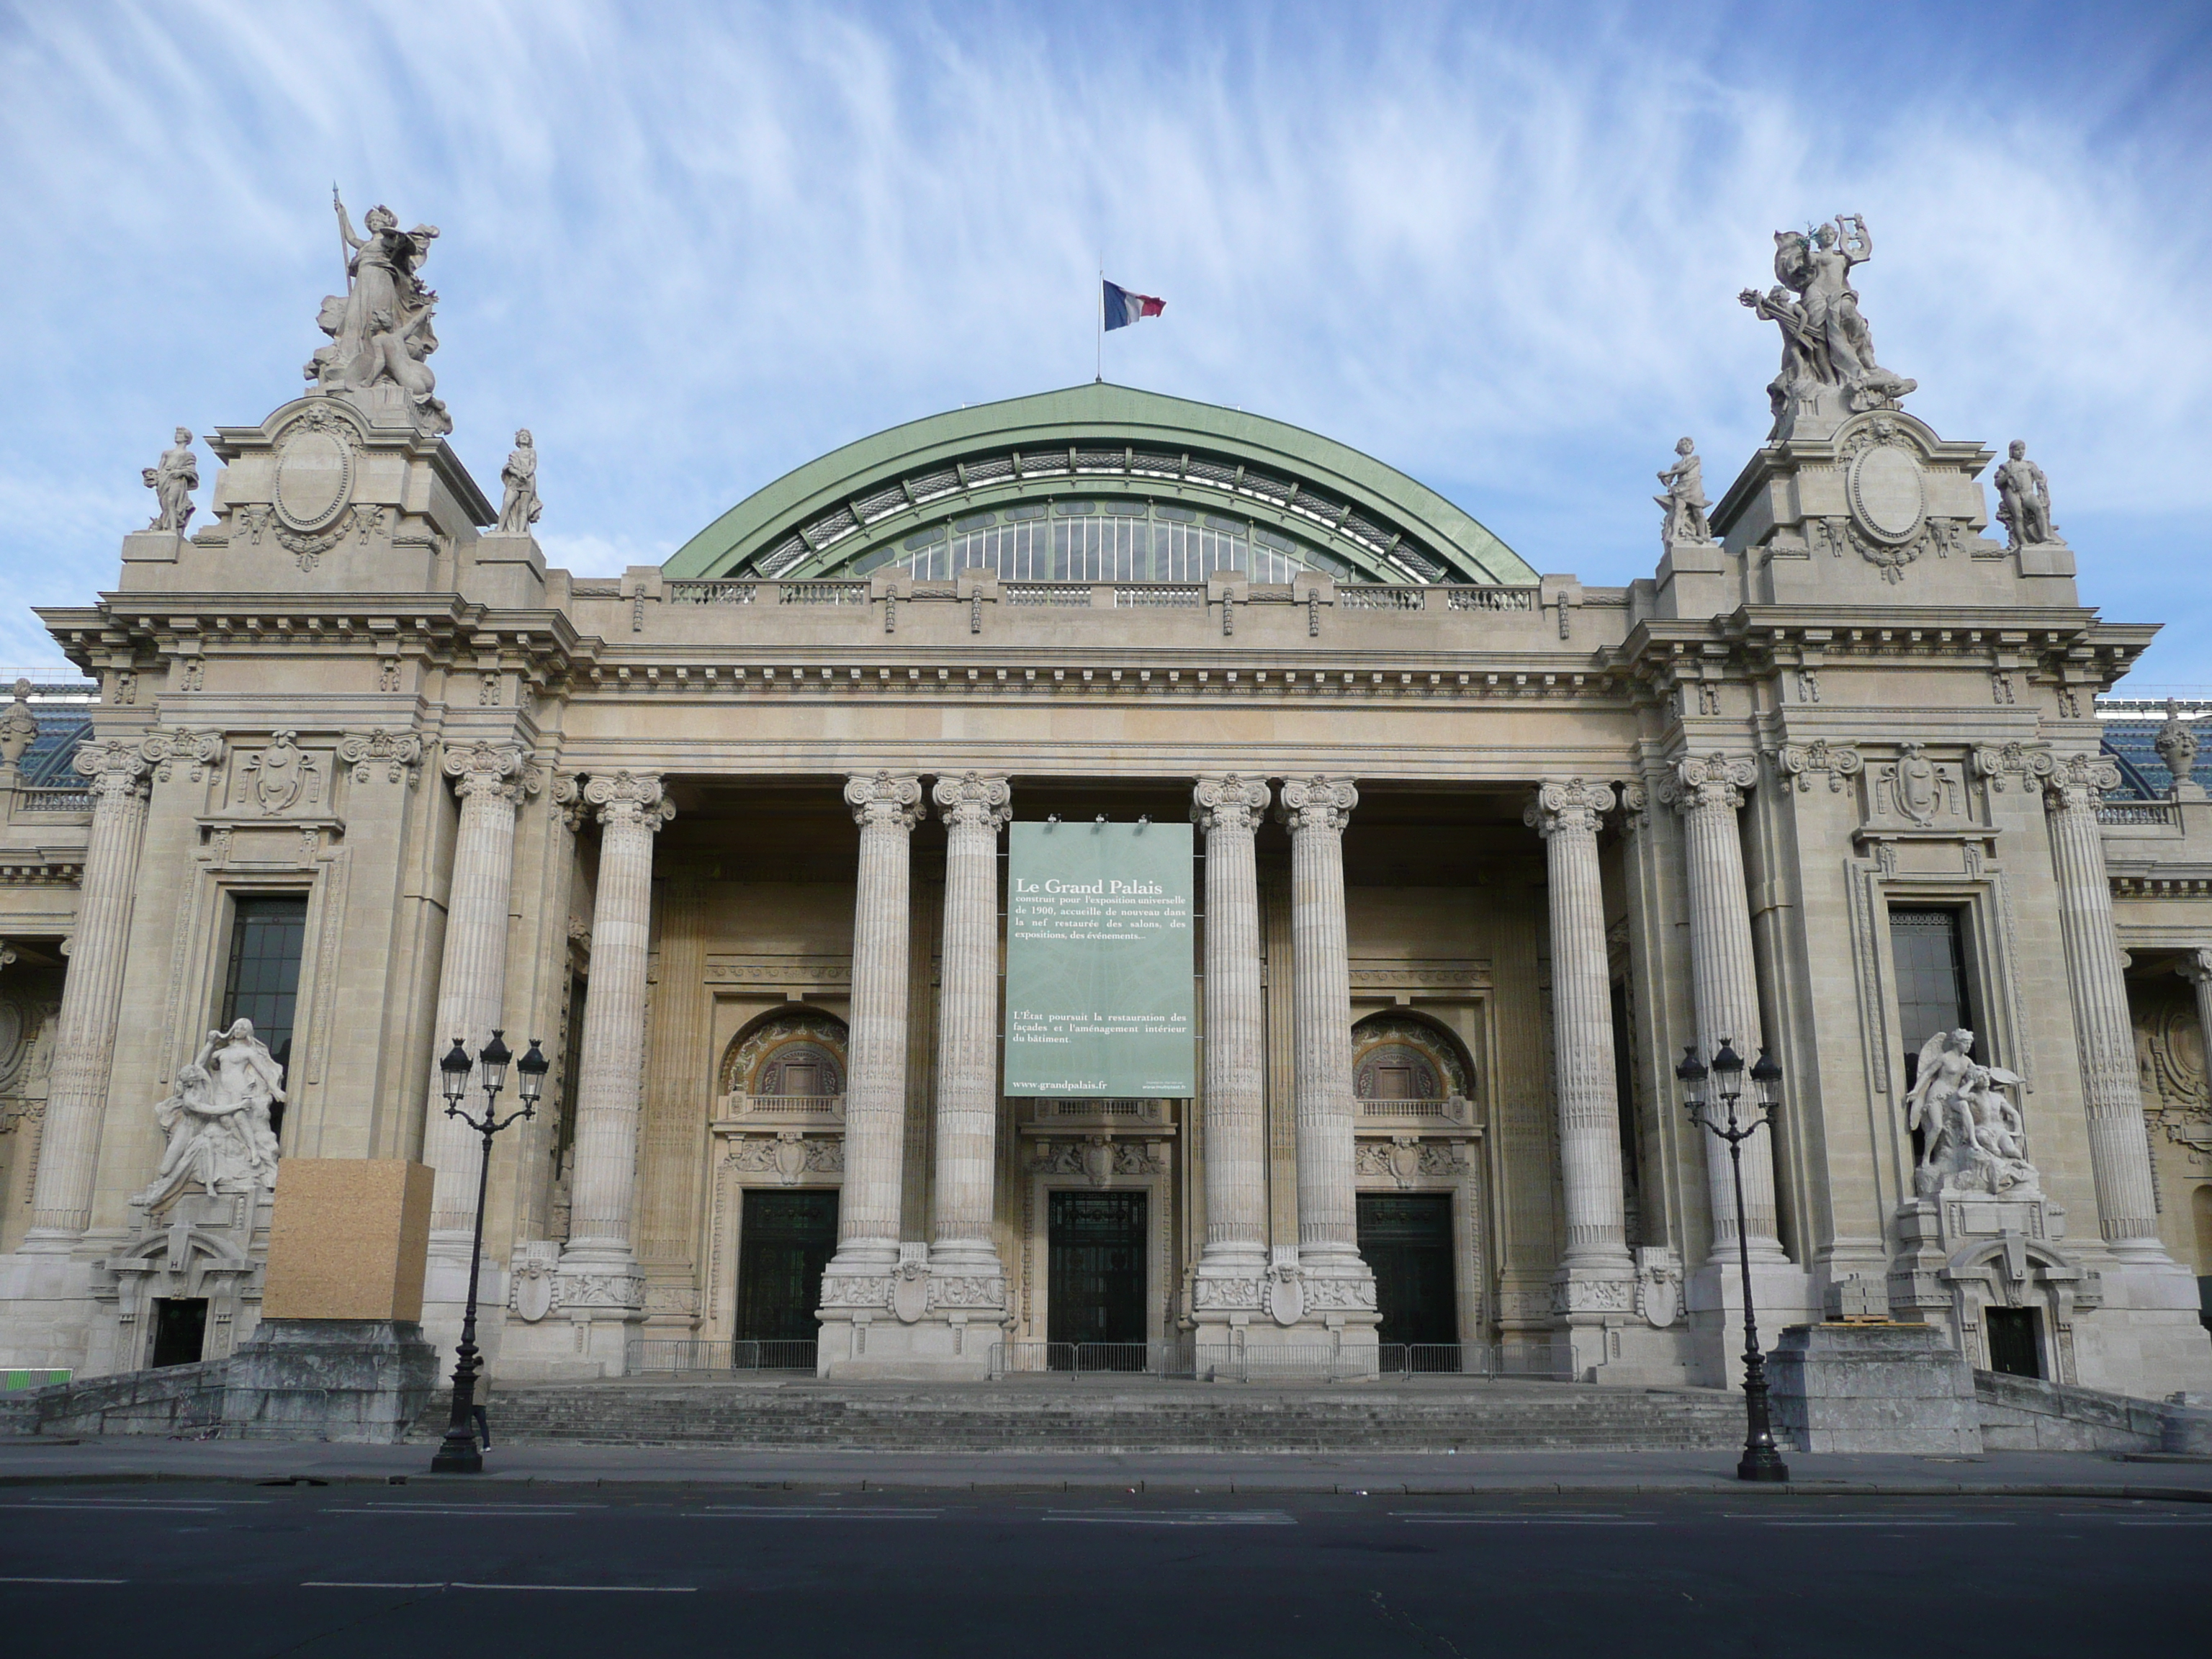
x=1096 y=1290
x=1406 y=1240
x=785 y=1241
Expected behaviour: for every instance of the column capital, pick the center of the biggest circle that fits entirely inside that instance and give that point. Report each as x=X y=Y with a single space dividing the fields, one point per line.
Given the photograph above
x=1714 y=779
x=491 y=769
x=168 y=746
x=885 y=798
x=629 y=798
x=1567 y=804
x=2196 y=967
x=116 y=770
x=1229 y=801
x=974 y=800
x=1318 y=803
x=2030 y=762
x=2078 y=783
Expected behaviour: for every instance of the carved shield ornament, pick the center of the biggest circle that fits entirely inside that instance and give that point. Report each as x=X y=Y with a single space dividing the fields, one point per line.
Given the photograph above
x=910 y=1291
x=1888 y=495
x=314 y=477
x=1916 y=784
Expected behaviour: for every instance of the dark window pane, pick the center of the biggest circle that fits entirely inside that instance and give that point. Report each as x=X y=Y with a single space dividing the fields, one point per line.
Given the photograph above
x=263 y=984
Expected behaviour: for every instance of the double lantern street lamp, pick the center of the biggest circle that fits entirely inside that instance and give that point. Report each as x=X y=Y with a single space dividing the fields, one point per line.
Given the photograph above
x=458 y=1454
x=1760 y=1461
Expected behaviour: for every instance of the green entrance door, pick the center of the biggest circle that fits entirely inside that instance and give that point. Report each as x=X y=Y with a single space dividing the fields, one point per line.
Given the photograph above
x=1096 y=1285
x=785 y=1241
x=1406 y=1239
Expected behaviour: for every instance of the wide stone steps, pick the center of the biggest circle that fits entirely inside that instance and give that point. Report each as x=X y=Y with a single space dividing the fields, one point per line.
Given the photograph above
x=1080 y=1417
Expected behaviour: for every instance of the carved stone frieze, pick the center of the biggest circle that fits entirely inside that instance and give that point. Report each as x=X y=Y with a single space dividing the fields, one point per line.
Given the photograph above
x=787 y=1154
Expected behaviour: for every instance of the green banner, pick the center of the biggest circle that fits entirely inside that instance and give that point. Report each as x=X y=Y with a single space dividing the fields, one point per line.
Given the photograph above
x=1099 y=961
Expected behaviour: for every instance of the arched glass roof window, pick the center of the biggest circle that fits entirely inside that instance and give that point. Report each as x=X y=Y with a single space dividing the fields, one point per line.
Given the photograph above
x=1100 y=484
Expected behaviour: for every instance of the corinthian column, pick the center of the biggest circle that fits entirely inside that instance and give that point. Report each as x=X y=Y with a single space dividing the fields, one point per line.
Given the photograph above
x=886 y=806
x=1228 y=809
x=1317 y=809
x=974 y=809
x=1708 y=791
x=610 y=1071
x=2120 y=1145
x=92 y=997
x=491 y=779
x=1566 y=814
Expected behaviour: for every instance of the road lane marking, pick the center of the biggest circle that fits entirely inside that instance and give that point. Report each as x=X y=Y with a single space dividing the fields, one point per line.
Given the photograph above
x=1892 y=1524
x=778 y=1512
x=1521 y=1521
x=119 y=1508
x=65 y=1581
x=452 y=1509
x=368 y=1583
x=612 y=1589
x=1172 y=1518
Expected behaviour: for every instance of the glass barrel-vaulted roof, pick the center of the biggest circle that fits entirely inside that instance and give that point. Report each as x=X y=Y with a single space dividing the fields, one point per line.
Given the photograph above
x=1100 y=484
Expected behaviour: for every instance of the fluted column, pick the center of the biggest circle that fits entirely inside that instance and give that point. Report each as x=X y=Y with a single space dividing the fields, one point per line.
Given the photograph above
x=886 y=806
x=1228 y=809
x=1566 y=814
x=610 y=1072
x=2120 y=1145
x=974 y=809
x=1317 y=809
x=92 y=998
x=491 y=779
x=1708 y=791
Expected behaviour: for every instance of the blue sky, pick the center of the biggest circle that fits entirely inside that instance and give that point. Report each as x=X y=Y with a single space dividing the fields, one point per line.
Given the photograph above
x=693 y=246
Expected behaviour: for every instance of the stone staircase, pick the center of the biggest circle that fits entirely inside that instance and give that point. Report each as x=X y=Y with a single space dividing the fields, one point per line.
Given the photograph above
x=1052 y=1415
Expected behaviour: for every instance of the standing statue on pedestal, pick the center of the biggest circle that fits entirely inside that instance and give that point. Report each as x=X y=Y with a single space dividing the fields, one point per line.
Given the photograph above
x=2024 y=499
x=218 y=1121
x=173 y=480
x=521 y=506
x=1828 y=368
x=1685 y=501
x=379 y=328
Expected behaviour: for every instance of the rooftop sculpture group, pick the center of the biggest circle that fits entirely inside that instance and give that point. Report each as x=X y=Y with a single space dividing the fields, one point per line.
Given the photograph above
x=379 y=328
x=1828 y=368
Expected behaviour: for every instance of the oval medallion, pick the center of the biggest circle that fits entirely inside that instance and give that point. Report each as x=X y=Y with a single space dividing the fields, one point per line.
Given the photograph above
x=314 y=476
x=1888 y=495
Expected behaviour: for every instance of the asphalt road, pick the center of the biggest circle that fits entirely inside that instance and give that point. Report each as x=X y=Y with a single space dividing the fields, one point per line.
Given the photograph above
x=428 y=1569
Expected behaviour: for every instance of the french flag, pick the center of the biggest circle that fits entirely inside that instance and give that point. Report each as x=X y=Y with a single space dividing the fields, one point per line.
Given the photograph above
x=1124 y=308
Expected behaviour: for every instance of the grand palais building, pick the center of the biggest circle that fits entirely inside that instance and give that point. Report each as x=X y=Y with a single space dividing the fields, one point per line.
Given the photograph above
x=1432 y=867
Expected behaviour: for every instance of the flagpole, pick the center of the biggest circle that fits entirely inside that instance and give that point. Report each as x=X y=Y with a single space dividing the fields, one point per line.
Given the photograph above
x=1098 y=336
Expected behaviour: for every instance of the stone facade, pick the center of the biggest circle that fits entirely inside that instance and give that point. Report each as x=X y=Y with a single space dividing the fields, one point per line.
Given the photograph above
x=1485 y=851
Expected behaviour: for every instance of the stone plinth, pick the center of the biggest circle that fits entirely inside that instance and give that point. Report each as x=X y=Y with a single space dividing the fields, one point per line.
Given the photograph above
x=361 y=1380
x=348 y=1240
x=1873 y=1388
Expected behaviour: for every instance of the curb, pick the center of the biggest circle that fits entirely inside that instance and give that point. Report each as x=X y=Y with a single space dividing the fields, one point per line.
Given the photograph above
x=1685 y=1486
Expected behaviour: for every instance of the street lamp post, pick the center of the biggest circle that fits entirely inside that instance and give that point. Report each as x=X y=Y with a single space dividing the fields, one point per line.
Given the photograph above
x=1760 y=1461
x=458 y=1453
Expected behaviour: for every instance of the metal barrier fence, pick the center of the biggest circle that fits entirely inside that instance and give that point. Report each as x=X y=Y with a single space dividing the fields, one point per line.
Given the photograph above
x=650 y=1355
x=1090 y=1358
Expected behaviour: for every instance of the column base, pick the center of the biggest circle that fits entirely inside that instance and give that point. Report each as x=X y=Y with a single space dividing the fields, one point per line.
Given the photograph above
x=46 y=1312
x=2147 y=1339
x=922 y=1322
x=1782 y=1293
x=445 y=1300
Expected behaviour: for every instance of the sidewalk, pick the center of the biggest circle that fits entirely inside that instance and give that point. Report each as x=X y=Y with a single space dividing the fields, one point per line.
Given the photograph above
x=2047 y=1474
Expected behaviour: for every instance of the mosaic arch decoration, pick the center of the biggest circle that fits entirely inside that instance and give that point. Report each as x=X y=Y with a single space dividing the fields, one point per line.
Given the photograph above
x=798 y=1053
x=1100 y=484
x=1396 y=1057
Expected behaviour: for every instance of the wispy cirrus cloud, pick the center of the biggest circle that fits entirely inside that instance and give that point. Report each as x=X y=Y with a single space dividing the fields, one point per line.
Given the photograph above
x=693 y=246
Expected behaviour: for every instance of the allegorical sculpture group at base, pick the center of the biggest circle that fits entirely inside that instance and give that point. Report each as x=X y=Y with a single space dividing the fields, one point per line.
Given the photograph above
x=1972 y=1138
x=221 y=1138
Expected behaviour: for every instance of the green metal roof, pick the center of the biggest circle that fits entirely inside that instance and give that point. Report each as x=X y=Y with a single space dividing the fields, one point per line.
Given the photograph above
x=1371 y=518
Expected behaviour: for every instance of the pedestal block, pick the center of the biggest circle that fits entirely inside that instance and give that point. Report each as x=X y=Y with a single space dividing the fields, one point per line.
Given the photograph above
x=1872 y=1388
x=356 y=1380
